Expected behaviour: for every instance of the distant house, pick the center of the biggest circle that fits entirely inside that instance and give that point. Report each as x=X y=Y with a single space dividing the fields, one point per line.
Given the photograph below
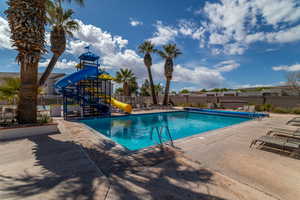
x=48 y=87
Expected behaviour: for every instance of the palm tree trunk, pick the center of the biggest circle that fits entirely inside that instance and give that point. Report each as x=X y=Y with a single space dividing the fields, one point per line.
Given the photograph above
x=49 y=69
x=152 y=86
x=126 y=89
x=166 y=97
x=27 y=107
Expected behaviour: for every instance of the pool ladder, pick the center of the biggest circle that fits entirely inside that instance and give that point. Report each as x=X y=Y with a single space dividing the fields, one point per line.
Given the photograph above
x=159 y=131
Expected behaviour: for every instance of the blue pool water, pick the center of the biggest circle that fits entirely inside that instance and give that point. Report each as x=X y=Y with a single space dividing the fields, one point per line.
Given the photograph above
x=134 y=131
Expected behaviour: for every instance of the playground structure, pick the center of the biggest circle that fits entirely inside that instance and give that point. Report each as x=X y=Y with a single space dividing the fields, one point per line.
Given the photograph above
x=87 y=92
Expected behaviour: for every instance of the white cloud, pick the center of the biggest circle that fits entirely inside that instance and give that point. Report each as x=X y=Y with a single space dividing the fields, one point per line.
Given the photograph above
x=4 y=34
x=277 y=11
x=235 y=24
x=200 y=76
x=102 y=41
x=63 y=64
x=226 y=66
x=163 y=34
x=289 y=68
x=112 y=49
x=134 y=22
x=252 y=86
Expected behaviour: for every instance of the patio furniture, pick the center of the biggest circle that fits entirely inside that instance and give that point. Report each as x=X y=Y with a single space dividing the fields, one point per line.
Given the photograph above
x=285 y=132
x=285 y=144
x=294 y=120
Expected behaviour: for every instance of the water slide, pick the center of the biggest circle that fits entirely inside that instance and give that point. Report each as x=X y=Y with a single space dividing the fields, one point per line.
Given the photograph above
x=88 y=71
x=123 y=106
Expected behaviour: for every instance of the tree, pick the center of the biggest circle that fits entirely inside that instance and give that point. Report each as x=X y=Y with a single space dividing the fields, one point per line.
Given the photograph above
x=158 y=89
x=62 y=25
x=170 y=52
x=145 y=88
x=147 y=48
x=9 y=90
x=184 y=91
x=127 y=78
x=27 y=20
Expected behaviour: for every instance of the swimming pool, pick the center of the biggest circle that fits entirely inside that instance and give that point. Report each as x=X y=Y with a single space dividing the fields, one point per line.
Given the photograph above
x=134 y=131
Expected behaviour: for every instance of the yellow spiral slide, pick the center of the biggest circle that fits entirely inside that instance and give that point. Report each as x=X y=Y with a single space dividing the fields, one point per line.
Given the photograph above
x=123 y=106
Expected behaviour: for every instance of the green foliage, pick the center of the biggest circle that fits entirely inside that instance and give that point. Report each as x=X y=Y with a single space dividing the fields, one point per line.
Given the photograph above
x=184 y=91
x=296 y=110
x=119 y=91
x=44 y=119
x=9 y=91
x=264 y=107
x=128 y=79
x=219 y=90
x=145 y=88
x=60 y=18
x=281 y=110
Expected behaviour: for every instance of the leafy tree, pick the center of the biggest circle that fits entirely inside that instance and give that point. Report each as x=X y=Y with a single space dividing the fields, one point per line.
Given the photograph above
x=27 y=20
x=62 y=25
x=119 y=91
x=9 y=90
x=158 y=89
x=128 y=79
x=147 y=48
x=169 y=53
x=184 y=91
x=145 y=88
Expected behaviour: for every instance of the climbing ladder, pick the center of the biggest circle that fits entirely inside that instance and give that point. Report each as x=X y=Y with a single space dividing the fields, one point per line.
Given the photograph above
x=159 y=131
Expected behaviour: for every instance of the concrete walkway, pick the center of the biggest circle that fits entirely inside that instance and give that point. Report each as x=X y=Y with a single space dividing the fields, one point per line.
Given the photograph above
x=227 y=151
x=80 y=164
x=48 y=167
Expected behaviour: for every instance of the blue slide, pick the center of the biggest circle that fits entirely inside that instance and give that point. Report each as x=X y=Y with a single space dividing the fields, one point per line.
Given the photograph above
x=88 y=71
x=71 y=79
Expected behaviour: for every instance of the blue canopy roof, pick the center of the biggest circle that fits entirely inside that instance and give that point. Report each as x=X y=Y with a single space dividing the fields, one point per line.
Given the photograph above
x=89 y=56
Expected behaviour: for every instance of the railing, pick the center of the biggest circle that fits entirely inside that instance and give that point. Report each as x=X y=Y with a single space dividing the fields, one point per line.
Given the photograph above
x=159 y=132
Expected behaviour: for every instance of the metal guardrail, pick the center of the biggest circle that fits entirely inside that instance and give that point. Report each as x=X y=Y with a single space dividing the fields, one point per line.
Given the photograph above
x=159 y=132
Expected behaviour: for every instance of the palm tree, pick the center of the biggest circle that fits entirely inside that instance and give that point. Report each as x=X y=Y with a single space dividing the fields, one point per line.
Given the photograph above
x=170 y=52
x=147 y=48
x=27 y=20
x=158 y=89
x=126 y=77
x=62 y=25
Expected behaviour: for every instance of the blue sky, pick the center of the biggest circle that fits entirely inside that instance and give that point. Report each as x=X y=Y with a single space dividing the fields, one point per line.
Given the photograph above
x=225 y=43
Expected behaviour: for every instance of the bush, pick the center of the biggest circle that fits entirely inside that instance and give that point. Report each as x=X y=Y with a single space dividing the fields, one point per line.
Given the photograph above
x=296 y=111
x=281 y=110
x=264 y=107
x=44 y=119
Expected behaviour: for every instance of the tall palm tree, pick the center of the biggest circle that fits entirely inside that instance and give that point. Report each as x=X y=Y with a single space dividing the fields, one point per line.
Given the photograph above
x=62 y=25
x=27 y=20
x=126 y=77
x=169 y=53
x=147 y=48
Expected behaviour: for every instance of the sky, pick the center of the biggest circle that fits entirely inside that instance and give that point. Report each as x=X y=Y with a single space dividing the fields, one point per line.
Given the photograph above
x=225 y=43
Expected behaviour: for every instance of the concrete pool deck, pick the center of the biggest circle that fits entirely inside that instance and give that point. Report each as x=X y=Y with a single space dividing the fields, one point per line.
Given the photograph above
x=78 y=164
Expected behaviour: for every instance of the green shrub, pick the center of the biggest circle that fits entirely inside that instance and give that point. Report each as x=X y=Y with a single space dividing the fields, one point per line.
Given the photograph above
x=44 y=119
x=281 y=110
x=296 y=110
x=264 y=107
x=259 y=108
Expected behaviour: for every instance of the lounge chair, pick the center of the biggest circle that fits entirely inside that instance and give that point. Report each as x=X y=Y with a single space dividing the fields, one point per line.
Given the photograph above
x=279 y=143
x=294 y=120
x=285 y=132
